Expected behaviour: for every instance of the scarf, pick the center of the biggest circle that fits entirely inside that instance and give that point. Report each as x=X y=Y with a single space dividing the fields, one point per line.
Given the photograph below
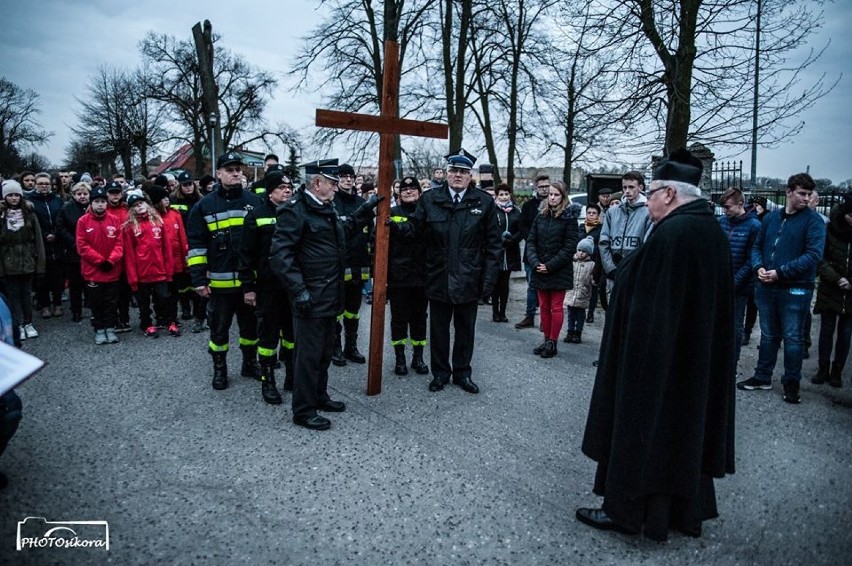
x=592 y=224
x=505 y=206
x=14 y=219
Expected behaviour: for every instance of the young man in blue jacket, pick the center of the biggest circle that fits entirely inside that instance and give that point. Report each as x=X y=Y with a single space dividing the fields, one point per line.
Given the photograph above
x=785 y=257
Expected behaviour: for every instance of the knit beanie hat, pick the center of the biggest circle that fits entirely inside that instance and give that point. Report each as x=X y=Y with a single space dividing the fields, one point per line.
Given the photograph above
x=587 y=245
x=12 y=187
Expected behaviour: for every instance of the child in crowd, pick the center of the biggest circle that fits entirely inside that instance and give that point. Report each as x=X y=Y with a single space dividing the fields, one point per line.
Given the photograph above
x=176 y=237
x=148 y=261
x=577 y=298
x=99 y=243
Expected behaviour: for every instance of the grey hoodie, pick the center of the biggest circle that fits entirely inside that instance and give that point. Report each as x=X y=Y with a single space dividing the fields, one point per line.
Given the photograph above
x=624 y=229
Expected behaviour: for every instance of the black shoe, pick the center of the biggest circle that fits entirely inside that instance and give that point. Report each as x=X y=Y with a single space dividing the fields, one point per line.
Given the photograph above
x=821 y=375
x=316 y=422
x=503 y=318
x=220 y=381
x=337 y=354
x=437 y=383
x=332 y=406
x=400 y=368
x=352 y=354
x=746 y=339
x=123 y=327
x=466 y=384
x=752 y=384
x=250 y=369
x=835 y=380
x=590 y=318
x=549 y=349
x=598 y=519
x=527 y=322
x=596 y=363
x=577 y=338
x=791 y=392
x=76 y=317
x=569 y=338
x=270 y=393
x=418 y=365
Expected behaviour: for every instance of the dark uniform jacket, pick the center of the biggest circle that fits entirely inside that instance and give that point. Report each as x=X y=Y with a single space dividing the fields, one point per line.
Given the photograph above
x=553 y=242
x=357 y=250
x=462 y=244
x=215 y=232
x=406 y=258
x=309 y=250
x=662 y=407
x=836 y=263
x=183 y=205
x=255 y=271
x=510 y=255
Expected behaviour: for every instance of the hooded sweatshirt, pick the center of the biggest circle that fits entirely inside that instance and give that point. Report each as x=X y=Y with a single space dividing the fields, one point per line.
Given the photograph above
x=624 y=229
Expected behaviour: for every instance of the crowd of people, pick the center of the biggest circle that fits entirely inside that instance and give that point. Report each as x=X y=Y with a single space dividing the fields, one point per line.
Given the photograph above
x=293 y=264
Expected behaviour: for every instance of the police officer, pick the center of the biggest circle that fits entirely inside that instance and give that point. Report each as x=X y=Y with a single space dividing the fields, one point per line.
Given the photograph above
x=214 y=231
x=357 y=271
x=309 y=255
x=406 y=276
x=457 y=226
x=263 y=290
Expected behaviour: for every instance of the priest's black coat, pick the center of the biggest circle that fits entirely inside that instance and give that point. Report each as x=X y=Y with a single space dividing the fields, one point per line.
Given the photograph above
x=662 y=408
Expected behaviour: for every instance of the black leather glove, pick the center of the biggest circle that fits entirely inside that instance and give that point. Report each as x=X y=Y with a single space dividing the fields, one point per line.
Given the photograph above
x=393 y=227
x=303 y=303
x=374 y=200
x=105 y=265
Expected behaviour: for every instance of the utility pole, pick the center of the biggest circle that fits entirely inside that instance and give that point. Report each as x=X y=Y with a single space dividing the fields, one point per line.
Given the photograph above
x=754 y=106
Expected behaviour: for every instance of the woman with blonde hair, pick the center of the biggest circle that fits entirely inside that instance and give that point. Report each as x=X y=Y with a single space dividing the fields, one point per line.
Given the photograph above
x=551 y=245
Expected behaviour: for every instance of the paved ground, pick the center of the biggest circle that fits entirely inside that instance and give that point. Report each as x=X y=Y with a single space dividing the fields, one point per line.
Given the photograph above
x=133 y=434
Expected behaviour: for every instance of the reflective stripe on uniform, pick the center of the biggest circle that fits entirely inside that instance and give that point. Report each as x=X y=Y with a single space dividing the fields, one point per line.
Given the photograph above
x=351 y=315
x=418 y=342
x=224 y=280
x=402 y=342
x=216 y=347
x=225 y=220
x=398 y=219
x=267 y=352
x=247 y=342
x=287 y=345
x=196 y=256
x=266 y=221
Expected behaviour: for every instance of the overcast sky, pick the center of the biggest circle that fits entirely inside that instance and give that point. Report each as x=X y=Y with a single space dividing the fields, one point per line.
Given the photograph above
x=56 y=46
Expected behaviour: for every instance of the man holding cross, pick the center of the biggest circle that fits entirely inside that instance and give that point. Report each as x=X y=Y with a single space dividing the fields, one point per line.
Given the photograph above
x=456 y=225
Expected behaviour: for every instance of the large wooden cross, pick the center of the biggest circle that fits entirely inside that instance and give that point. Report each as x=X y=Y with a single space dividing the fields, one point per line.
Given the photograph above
x=387 y=125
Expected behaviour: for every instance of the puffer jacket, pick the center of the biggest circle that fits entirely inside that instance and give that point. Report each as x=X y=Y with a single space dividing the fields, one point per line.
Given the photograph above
x=742 y=232
x=581 y=293
x=553 y=242
x=836 y=263
x=21 y=251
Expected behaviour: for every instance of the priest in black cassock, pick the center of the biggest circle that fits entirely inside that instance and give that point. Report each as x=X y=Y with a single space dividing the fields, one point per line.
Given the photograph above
x=661 y=418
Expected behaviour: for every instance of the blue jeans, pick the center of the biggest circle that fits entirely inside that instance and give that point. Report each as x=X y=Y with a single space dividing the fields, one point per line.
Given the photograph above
x=782 y=315
x=532 y=295
x=740 y=304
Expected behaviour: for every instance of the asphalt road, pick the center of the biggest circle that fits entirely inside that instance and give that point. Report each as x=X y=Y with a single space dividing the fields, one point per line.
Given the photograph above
x=133 y=434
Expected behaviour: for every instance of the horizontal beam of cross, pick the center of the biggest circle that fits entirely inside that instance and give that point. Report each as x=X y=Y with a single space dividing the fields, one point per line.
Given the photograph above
x=382 y=124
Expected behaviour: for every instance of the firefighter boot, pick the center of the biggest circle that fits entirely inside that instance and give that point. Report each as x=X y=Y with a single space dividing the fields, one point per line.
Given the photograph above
x=267 y=381
x=220 y=370
x=400 y=368
x=250 y=367
x=417 y=363
x=350 y=351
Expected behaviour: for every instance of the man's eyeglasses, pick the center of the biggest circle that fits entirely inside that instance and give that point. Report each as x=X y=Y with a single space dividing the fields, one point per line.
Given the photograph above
x=42 y=184
x=652 y=191
x=234 y=169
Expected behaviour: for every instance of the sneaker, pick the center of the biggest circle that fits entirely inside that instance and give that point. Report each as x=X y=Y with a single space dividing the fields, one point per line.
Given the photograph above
x=22 y=333
x=791 y=392
x=198 y=326
x=151 y=332
x=753 y=383
x=123 y=327
x=100 y=337
x=174 y=330
x=31 y=331
x=46 y=312
x=112 y=337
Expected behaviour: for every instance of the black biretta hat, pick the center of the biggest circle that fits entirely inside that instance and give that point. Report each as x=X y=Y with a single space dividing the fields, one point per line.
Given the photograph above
x=681 y=166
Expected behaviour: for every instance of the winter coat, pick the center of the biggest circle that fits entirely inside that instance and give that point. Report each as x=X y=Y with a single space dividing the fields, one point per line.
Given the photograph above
x=147 y=253
x=598 y=274
x=406 y=258
x=742 y=232
x=254 y=268
x=624 y=229
x=183 y=205
x=529 y=212
x=66 y=229
x=836 y=263
x=510 y=255
x=309 y=251
x=357 y=245
x=21 y=251
x=581 y=292
x=99 y=239
x=47 y=207
x=462 y=244
x=119 y=211
x=791 y=244
x=176 y=236
x=553 y=242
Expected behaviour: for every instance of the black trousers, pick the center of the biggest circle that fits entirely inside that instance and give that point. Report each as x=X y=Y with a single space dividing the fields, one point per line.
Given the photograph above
x=123 y=302
x=274 y=321
x=500 y=294
x=351 y=308
x=49 y=288
x=103 y=299
x=221 y=309
x=76 y=286
x=158 y=293
x=408 y=315
x=463 y=317
x=314 y=344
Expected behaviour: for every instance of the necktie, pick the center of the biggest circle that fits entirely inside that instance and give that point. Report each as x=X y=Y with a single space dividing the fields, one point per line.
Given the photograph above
x=456 y=200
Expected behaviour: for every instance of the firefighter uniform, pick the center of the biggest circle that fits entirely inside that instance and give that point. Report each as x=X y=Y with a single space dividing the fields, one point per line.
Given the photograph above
x=273 y=310
x=192 y=306
x=215 y=229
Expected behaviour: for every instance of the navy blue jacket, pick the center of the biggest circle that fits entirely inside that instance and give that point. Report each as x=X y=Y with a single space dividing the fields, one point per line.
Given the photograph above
x=742 y=232
x=790 y=244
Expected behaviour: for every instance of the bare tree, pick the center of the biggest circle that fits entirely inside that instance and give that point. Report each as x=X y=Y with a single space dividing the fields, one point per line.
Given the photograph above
x=19 y=125
x=173 y=79
x=692 y=64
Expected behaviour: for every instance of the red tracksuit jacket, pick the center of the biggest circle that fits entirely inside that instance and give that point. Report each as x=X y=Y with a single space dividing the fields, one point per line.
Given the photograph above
x=147 y=254
x=176 y=235
x=99 y=239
